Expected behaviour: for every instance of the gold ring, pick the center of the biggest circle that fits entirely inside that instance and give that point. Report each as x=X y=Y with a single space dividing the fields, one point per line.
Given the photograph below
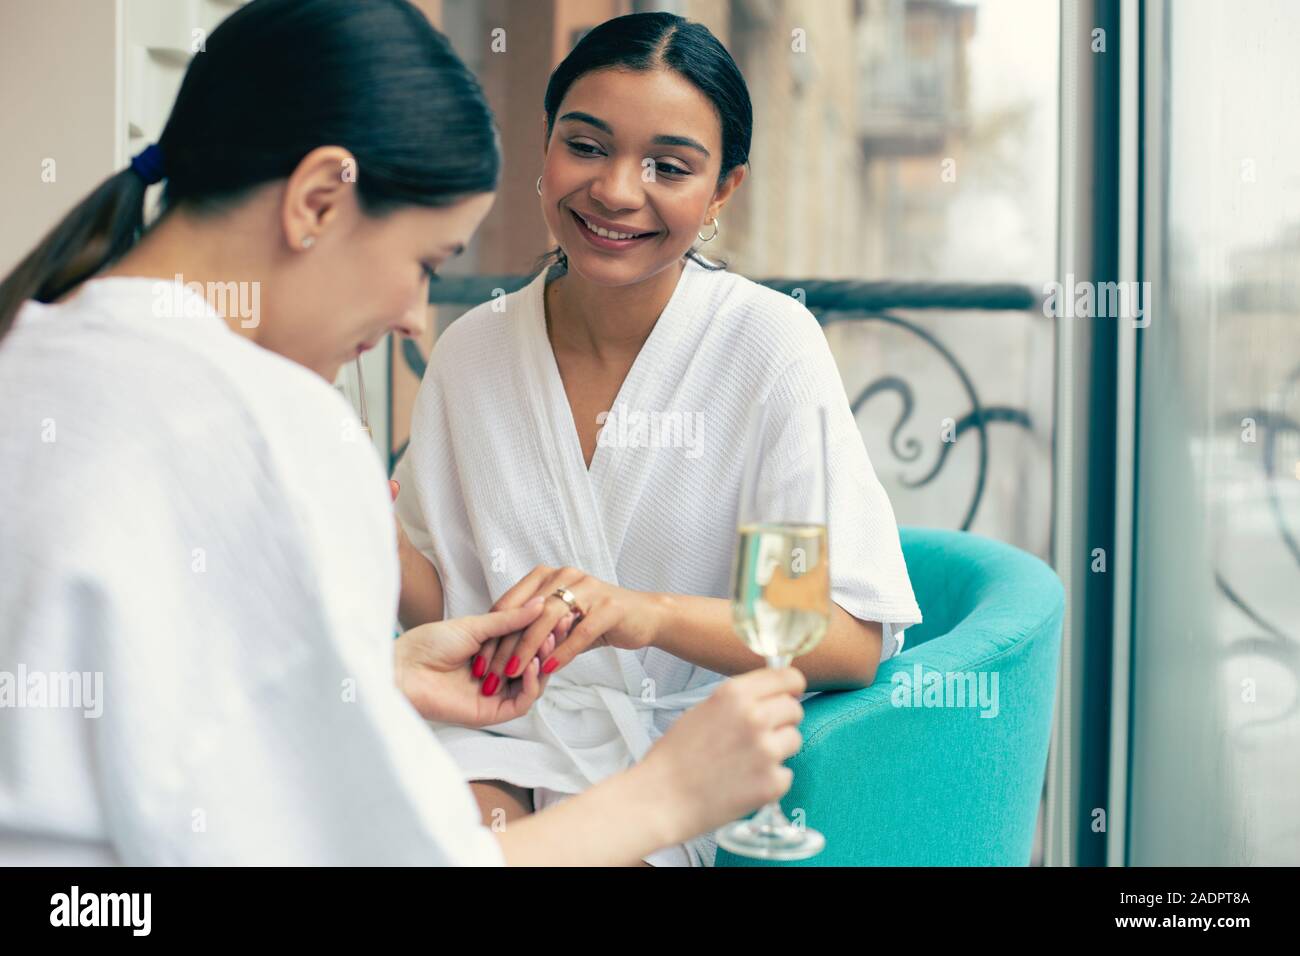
x=565 y=595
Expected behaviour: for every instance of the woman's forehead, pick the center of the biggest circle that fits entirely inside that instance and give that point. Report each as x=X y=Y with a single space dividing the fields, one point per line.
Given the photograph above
x=645 y=104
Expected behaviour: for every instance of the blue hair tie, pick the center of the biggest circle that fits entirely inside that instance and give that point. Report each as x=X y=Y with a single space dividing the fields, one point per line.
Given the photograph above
x=148 y=164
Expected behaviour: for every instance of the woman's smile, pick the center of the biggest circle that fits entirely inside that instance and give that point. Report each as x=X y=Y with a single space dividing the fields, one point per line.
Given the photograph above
x=609 y=236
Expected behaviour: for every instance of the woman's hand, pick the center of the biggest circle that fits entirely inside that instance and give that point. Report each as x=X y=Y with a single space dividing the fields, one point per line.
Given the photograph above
x=725 y=756
x=720 y=760
x=610 y=617
x=431 y=669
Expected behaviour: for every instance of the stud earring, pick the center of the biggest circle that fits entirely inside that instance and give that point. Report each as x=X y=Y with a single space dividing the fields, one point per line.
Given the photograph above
x=308 y=241
x=717 y=227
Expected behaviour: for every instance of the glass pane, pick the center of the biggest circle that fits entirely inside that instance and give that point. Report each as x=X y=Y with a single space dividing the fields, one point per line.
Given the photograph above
x=1216 y=739
x=900 y=141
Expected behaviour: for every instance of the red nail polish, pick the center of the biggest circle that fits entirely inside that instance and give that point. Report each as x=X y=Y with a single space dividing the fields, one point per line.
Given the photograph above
x=511 y=666
x=490 y=685
x=550 y=665
x=480 y=665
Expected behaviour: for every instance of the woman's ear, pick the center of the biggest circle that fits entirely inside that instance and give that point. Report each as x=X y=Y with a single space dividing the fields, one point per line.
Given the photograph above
x=729 y=185
x=318 y=191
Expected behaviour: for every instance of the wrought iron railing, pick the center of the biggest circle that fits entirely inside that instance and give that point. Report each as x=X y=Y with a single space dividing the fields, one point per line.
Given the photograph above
x=1275 y=641
x=845 y=301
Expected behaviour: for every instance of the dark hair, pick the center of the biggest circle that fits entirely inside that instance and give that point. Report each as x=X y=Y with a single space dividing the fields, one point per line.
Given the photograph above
x=277 y=79
x=650 y=41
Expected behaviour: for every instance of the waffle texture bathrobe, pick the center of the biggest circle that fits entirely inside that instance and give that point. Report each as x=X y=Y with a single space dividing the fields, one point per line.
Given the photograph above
x=494 y=484
x=198 y=583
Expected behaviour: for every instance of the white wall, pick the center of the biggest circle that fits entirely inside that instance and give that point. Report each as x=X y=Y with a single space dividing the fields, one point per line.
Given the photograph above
x=58 y=74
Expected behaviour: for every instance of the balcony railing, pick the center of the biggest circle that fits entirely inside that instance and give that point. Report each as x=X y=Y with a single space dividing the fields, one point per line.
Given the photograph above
x=864 y=302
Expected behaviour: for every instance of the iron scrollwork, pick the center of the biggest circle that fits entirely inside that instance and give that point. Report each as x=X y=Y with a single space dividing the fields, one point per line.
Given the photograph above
x=835 y=301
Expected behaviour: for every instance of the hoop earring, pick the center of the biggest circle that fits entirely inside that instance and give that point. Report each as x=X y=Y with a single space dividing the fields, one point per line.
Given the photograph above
x=717 y=227
x=539 y=185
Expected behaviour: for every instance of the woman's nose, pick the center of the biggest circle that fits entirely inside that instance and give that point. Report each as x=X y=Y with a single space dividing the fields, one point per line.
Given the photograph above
x=619 y=187
x=416 y=319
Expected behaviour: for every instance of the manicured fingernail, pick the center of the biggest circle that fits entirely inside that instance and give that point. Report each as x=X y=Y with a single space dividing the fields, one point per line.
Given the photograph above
x=512 y=665
x=480 y=665
x=536 y=602
x=550 y=665
x=490 y=685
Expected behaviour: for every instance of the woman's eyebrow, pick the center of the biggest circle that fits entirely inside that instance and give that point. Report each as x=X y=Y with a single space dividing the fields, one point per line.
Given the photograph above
x=661 y=140
x=680 y=141
x=590 y=120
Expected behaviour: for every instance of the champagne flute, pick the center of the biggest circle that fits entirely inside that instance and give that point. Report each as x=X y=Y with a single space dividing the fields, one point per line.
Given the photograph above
x=362 y=413
x=352 y=383
x=781 y=595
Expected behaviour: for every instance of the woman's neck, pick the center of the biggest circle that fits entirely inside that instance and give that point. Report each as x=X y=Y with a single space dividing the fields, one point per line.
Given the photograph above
x=610 y=324
x=178 y=245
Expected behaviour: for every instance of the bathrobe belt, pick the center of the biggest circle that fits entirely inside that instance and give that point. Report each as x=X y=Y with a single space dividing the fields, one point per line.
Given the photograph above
x=630 y=715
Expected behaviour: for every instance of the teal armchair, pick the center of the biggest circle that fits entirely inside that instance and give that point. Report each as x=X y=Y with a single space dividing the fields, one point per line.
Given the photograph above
x=936 y=783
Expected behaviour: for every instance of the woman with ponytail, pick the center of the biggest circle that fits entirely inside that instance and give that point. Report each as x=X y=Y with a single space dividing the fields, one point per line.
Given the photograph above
x=198 y=566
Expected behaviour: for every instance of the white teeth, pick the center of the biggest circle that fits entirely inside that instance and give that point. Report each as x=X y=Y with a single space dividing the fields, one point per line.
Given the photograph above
x=606 y=233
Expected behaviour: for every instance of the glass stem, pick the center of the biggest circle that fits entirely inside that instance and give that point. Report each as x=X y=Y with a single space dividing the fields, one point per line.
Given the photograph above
x=771 y=818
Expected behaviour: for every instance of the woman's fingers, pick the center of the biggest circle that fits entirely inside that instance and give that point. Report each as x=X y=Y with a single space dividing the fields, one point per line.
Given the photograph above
x=521 y=694
x=503 y=665
x=497 y=624
x=726 y=756
x=587 y=631
x=552 y=640
x=514 y=653
x=787 y=742
x=767 y=681
x=509 y=661
x=509 y=688
x=524 y=588
x=768 y=698
x=479 y=666
x=539 y=631
x=780 y=710
x=487 y=630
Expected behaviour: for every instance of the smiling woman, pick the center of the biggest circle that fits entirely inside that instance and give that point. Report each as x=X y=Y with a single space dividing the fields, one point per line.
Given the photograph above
x=647 y=137
x=648 y=99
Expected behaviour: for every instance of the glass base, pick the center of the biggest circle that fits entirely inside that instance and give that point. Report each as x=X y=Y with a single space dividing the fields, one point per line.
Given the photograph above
x=767 y=841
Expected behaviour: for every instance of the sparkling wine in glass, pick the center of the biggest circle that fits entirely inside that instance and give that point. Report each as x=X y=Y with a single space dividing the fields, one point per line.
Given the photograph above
x=781 y=594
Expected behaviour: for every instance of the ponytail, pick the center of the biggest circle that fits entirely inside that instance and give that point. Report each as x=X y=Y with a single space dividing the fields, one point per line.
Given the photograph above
x=93 y=235
x=290 y=75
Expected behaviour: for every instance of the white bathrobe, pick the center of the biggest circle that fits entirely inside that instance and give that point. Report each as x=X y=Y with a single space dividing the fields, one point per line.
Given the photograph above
x=198 y=586
x=494 y=483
